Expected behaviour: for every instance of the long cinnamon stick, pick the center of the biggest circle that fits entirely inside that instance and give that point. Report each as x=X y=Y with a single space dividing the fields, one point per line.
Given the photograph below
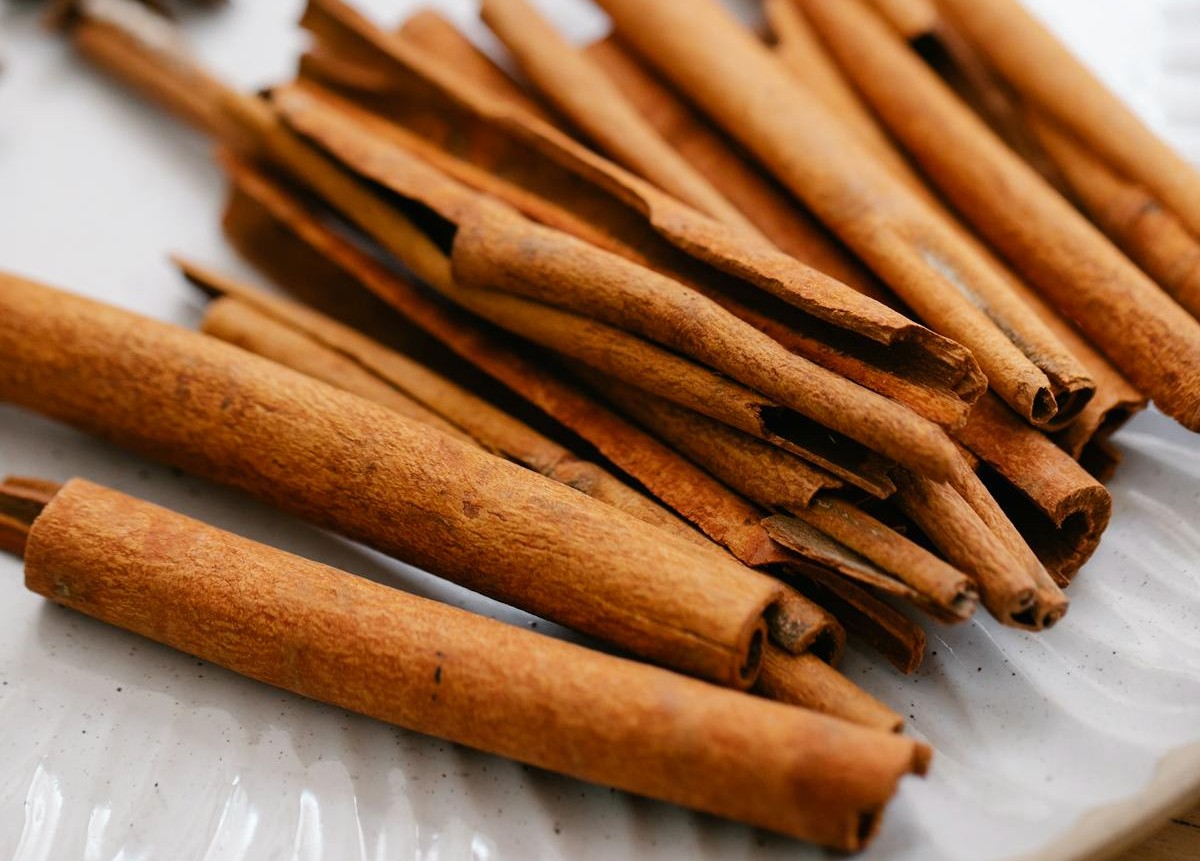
x=941 y=277
x=1150 y=234
x=582 y=92
x=780 y=217
x=1044 y=72
x=317 y=346
x=723 y=516
x=852 y=326
x=1114 y=399
x=434 y=34
x=357 y=467
x=1147 y=335
x=341 y=639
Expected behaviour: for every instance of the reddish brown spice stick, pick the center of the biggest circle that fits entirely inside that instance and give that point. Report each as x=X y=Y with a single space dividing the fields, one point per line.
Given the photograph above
x=1131 y=216
x=320 y=347
x=358 y=468
x=723 y=516
x=1044 y=72
x=582 y=93
x=345 y=640
x=434 y=34
x=1153 y=341
x=779 y=216
x=808 y=682
x=946 y=282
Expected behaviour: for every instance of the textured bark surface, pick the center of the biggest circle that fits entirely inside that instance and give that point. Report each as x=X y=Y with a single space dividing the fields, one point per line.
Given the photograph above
x=359 y=469
x=362 y=646
x=724 y=69
x=1154 y=342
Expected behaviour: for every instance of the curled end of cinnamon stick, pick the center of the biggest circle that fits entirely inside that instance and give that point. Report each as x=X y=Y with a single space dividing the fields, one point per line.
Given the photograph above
x=21 y=502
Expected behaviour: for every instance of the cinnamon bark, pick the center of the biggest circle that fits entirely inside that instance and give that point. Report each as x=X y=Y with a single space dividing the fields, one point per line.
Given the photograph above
x=1046 y=74
x=1148 y=232
x=427 y=29
x=778 y=215
x=324 y=634
x=726 y=518
x=583 y=94
x=869 y=552
x=319 y=347
x=869 y=335
x=356 y=467
x=806 y=681
x=1006 y=586
x=1154 y=342
x=941 y=277
x=1060 y=510
x=1115 y=400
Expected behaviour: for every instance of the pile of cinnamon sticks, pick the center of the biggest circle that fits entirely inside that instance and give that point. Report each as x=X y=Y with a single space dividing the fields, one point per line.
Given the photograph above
x=833 y=331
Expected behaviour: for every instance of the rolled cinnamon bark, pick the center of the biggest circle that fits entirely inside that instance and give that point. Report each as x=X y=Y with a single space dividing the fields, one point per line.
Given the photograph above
x=726 y=518
x=1006 y=586
x=356 y=467
x=1153 y=341
x=1060 y=510
x=1115 y=400
x=780 y=217
x=869 y=553
x=808 y=682
x=911 y=18
x=427 y=29
x=392 y=380
x=327 y=635
x=1150 y=234
x=583 y=94
x=839 y=324
x=1046 y=74
x=941 y=277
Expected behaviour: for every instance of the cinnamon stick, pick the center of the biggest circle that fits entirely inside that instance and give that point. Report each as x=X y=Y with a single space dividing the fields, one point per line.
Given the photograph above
x=324 y=634
x=1115 y=400
x=1047 y=75
x=805 y=681
x=356 y=467
x=849 y=330
x=1133 y=218
x=430 y=31
x=949 y=285
x=582 y=93
x=780 y=217
x=723 y=516
x=319 y=347
x=1060 y=510
x=1146 y=334
x=1006 y=586
x=869 y=552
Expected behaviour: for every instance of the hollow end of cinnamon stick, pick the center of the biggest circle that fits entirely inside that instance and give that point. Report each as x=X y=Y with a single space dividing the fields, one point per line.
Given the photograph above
x=21 y=503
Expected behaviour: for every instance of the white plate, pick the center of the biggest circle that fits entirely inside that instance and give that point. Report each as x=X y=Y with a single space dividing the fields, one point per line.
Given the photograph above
x=112 y=747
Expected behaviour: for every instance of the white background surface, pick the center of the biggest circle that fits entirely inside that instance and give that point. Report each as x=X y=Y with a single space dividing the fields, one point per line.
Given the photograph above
x=113 y=747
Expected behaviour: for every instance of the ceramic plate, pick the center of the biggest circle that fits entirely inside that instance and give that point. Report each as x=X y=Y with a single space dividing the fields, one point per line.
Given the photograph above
x=112 y=747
